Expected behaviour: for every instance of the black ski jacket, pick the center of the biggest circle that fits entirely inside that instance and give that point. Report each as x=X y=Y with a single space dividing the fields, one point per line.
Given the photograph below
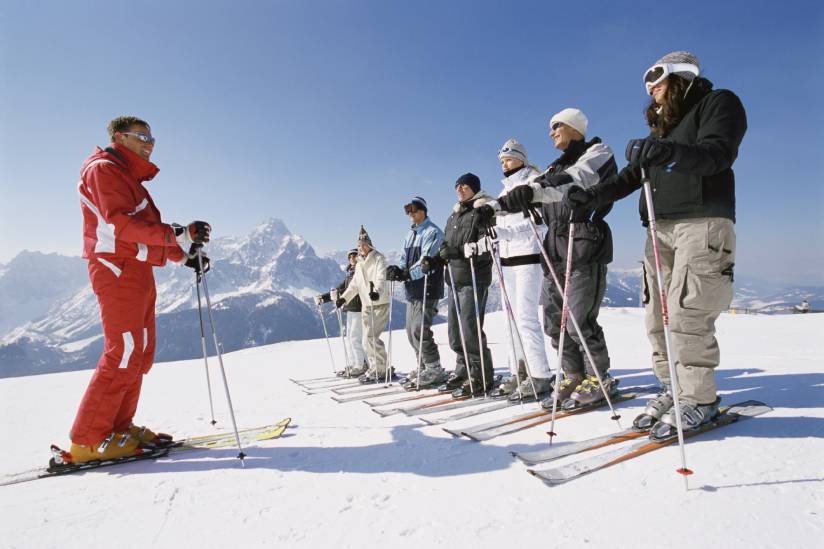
x=461 y=229
x=701 y=183
x=354 y=305
x=583 y=163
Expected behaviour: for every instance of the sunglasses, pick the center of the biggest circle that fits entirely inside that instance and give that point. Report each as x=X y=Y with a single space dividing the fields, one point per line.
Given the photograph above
x=555 y=126
x=142 y=136
x=657 y=73
x=409 y=209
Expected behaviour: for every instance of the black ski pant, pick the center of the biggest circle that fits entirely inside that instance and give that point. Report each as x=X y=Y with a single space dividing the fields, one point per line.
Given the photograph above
x=420 y=318
x=466 y=305
x=587 y=286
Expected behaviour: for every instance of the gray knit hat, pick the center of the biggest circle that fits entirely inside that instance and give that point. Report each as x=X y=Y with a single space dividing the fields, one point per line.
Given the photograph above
x=681 y=57
x=363 y=236
x=513 y=149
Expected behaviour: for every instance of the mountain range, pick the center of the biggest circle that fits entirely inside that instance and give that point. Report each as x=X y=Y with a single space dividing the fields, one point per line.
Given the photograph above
x=261 y=288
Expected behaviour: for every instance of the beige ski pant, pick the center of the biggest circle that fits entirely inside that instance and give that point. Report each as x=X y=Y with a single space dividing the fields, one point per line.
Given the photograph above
x=374 y=319
x=697 y=256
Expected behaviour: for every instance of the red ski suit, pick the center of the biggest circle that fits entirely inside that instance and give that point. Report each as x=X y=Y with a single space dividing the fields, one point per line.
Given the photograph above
x=123 y=239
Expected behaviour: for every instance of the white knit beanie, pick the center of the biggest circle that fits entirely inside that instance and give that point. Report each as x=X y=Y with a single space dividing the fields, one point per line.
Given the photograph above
x=573 y=118
x=513 y=149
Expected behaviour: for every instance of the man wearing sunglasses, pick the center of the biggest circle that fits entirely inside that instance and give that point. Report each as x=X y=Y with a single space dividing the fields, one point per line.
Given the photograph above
x=423 y=240
x=123 y=239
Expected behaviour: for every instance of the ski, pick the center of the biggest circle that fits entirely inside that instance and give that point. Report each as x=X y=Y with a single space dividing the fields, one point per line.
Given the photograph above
x=205 y=442
x=496 y=405
x=559 y=475
x=361 y=388
x=559 y=451
x=380 y=391
x=409 y=397
x=505 y=426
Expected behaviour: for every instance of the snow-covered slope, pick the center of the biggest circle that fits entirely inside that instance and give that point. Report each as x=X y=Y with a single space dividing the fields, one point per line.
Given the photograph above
x=344 y=477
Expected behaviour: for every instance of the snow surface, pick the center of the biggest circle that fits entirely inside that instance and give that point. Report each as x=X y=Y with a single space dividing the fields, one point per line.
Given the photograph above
x=345 y=477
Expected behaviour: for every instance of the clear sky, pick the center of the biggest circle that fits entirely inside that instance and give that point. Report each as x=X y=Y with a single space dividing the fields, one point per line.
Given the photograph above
x=332 y=114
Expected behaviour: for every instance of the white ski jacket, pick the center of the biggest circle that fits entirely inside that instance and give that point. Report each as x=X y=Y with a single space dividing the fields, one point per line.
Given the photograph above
x=371 y=268
x=515 y=238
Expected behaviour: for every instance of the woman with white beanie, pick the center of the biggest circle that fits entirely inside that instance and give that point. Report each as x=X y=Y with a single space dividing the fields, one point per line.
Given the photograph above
x=521 y=261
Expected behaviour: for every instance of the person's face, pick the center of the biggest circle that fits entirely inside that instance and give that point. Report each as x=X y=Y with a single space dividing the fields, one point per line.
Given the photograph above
x=659 y=91
x=364 y=248
x=508 y=164
x=353 y=258
x=132 y=140
x=464 y=192
x=416 y=216
x=562 y=135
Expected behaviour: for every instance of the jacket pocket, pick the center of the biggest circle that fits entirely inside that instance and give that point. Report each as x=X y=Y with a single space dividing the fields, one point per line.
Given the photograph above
x=706 y=291
x=585 y=245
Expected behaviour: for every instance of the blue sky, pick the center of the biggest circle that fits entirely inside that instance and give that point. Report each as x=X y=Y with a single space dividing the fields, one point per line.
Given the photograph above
x=332 y=114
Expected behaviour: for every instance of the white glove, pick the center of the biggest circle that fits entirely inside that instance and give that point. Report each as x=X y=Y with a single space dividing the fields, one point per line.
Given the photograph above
x=334 y=294
x=476 y=248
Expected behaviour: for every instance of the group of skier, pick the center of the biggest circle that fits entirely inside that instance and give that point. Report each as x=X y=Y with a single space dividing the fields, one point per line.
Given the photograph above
x=524 y=234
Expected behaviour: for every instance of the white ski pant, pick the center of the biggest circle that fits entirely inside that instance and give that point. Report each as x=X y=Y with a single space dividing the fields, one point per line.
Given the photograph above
x=523 y=286
x=354 y=334
x=374 y=319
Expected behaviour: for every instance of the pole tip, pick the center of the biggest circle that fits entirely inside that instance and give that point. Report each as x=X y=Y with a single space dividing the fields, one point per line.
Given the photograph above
x=616 y=417
x=213 y=422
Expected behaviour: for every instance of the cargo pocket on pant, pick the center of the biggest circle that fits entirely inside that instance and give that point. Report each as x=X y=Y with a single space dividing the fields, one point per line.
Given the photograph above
x=706 y=291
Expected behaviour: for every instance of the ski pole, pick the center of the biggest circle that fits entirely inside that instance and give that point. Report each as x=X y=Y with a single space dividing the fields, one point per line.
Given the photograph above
x=240 y=454
x=372 y=331
x=460 y=329
x=343 y=340
x=420 y=339
x=388 y=376
x=564 y=313
x=203 y=346
x=571 y=316
x=662 y=296
x=478 y=322
x=507 y=304
x=326 y=335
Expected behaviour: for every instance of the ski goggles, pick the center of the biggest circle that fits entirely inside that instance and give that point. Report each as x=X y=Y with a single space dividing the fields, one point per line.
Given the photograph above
x=146 y=138
x=657 y=73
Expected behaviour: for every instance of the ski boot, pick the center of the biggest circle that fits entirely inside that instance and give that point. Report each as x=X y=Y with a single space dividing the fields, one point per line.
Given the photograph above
x=465 y=390
x=115 y=446
x=148 y=438
x=568 y=386
x=693 y=416
x=453 y=382
x=655 y=409
x=589 y=392
x=510 y=384
x=432 y=376
x=542 y=385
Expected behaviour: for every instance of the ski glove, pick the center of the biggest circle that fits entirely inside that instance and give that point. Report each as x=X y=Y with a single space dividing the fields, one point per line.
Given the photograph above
x=518 y=199
x=485 y=216
x=192 y=262
x=340 y=302
x=448 y=252
x=374 y=296
x=649 y=152
x=582 y=202
x=322 y=298
x=430 y=264
x=196 y=232
x=396 y=273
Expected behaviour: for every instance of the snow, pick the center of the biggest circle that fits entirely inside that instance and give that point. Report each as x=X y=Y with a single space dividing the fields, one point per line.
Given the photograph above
x=345 y=477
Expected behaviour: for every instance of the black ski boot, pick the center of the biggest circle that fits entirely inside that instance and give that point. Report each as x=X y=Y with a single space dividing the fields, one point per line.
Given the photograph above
x=453 y=382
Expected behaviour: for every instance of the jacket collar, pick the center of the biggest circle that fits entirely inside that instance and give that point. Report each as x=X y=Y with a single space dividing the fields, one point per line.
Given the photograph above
x=135 y=165
x=469 y=204
x=698 y=89
x=425 y=223
x=573 y=152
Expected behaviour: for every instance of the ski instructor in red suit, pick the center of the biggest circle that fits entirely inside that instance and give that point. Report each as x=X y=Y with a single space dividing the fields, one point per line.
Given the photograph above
x=123 y=239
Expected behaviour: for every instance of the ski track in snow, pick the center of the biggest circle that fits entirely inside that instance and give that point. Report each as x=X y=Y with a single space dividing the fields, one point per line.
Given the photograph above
x=342 y=476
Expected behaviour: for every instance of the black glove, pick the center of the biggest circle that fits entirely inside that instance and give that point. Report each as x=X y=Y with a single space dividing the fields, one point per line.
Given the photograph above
x=325 y=298
x=396 y=273
x=374 y=296
x=430 y=264
x=485 y=216
x=196 y=232
x=649 y=152
x=518 y=199
x=582 y=202
x=192 y=262
x=448 y=252
x=340 y=302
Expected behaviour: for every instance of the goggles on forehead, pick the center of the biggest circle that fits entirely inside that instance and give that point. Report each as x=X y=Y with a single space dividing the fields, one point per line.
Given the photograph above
x=657 y=73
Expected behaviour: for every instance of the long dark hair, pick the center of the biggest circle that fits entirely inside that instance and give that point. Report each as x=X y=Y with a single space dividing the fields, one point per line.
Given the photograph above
x=662 y=118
